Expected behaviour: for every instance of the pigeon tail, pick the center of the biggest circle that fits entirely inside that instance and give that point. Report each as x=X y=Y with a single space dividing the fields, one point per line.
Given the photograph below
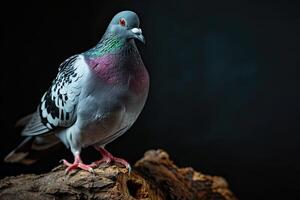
x=31 y=149
x=21 y=152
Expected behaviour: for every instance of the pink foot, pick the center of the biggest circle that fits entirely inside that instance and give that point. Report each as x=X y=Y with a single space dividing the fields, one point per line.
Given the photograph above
x=77 y=164
x=108 y=158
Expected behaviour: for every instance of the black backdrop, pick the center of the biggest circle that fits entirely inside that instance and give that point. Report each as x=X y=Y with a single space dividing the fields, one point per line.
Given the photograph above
x=224 y=92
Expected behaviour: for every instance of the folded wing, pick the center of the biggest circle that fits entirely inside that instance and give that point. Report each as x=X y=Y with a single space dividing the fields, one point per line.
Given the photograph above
x=58 y=105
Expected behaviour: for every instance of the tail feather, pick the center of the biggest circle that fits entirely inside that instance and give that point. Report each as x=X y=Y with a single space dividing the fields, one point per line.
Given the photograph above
x=32 y=148
x=20 y=153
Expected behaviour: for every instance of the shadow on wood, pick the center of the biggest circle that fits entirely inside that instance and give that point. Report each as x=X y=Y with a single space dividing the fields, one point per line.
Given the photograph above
x=153 y=177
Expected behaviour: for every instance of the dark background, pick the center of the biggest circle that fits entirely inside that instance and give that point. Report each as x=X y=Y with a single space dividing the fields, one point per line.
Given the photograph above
x=224 y=94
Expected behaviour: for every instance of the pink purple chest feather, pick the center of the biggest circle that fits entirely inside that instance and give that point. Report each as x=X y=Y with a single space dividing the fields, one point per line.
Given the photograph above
x=114 y=71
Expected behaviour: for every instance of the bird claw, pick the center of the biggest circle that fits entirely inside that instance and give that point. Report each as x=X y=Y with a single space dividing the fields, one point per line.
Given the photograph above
x=122 y=162
x=71 y=167
x=85 y=167
x=129 y=169
x=105 y=160
x=78 y=165
x=108 y=158
x=63 y=161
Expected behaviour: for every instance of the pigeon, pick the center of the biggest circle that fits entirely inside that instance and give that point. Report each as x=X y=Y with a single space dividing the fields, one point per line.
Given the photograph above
x=96 y=97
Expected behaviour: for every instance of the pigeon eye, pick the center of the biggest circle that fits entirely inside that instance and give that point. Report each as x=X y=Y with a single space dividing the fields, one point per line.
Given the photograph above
x=122 y=22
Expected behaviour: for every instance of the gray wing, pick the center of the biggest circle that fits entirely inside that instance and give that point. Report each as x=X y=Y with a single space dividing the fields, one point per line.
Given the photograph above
x=57 y=108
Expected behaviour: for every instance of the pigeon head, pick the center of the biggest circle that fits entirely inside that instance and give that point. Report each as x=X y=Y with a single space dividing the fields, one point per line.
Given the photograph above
x=126 y=24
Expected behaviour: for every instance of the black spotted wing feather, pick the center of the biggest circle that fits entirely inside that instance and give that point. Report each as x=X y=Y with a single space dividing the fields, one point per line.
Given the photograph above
x=58 y=105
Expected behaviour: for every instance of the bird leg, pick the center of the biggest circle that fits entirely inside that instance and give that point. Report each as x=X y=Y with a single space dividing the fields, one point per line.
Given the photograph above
x=108 y=158
x=78 y=164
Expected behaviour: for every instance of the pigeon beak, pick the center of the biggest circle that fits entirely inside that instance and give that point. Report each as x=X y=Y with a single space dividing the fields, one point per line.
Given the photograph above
x=138 y=34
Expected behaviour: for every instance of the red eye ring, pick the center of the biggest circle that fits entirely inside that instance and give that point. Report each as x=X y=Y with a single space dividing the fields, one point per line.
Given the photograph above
x=122 y=22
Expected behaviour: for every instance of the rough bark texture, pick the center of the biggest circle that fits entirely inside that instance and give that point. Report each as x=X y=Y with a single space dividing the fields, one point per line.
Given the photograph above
x=153 y=177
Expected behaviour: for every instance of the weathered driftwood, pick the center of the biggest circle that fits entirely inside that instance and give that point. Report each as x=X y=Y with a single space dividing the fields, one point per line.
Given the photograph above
x=153 y=177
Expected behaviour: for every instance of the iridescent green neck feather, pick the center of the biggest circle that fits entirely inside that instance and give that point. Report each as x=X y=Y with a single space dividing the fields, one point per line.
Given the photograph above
x=110 y=43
